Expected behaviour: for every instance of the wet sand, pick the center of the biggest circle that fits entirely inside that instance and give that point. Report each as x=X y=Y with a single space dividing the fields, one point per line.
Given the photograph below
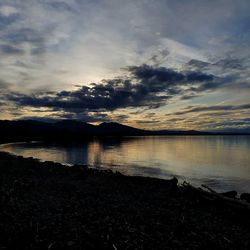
x=45 y=205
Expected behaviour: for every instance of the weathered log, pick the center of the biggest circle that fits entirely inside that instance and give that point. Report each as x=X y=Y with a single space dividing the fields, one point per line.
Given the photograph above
x=230 y=194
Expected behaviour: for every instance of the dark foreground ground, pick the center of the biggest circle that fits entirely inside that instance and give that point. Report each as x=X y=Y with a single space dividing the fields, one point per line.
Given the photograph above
x=48 y=206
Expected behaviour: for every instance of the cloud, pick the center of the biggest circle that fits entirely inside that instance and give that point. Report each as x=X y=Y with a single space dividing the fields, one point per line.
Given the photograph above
x=197 y=64
x=8 y=16
x=240 y=122
x=156 y=79
x=236 y=118
x=83 y=116
x=146 y=86
x=7 y=10
x=163 y=74
x=109 y=96
x=49 y=45
x=189 y=96
x=159 y=57
x=228 y=63
x=25 y=35
x=231 y=63
x=147 y=121
x=86 y=51
x=195 y=109
x=11 y=50
x=7 y=20
x=60 y=6
x=4 y=88
x=121 y=118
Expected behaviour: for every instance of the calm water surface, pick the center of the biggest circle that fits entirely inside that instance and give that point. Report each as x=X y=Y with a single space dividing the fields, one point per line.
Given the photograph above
x=221 y=162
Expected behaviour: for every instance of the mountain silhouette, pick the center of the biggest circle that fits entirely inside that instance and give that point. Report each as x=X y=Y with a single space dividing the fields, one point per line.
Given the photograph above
x=21 y=130
x=113 y=128
x=73 y=126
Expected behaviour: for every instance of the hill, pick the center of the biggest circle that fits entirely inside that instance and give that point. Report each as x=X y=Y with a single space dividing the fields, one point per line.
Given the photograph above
x=20 y=130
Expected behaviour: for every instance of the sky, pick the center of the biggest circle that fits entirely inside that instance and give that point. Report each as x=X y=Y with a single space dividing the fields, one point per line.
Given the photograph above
x=153 y=64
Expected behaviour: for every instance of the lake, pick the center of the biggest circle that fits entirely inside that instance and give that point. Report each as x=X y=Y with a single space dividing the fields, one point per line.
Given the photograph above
x=220 y=162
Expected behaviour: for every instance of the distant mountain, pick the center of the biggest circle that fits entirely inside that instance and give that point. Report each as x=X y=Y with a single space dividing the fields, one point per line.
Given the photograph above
x=38 y=130
x=180 y=132
x=113 y=128
x=74 y=126
x=76 y=130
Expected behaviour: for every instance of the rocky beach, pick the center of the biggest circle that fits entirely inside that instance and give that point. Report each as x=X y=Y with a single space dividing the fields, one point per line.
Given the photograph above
x=46 y=205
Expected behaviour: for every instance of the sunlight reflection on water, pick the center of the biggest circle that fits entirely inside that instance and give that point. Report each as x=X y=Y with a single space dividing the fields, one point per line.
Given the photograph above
x=221 y=162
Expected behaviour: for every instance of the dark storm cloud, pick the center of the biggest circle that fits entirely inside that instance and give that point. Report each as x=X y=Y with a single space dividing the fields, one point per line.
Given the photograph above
x=149 y=74
x=157 y=79
x=146 y=86
x=107 y=97
x=195 y=109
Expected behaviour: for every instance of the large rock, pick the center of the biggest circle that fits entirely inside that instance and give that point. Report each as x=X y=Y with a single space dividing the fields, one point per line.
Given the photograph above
x=245 y=196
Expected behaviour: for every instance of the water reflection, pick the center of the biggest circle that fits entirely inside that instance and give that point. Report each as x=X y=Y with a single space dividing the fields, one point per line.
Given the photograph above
x=222 y=162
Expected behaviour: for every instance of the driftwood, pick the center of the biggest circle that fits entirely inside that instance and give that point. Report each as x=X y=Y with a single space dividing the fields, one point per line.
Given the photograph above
x=229 y=194
x=208 y=188
x=213 y=195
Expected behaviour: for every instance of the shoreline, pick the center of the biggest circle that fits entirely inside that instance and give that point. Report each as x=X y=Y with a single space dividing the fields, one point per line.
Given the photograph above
x=201 y=188
x=196 y=182
x=46 y=205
